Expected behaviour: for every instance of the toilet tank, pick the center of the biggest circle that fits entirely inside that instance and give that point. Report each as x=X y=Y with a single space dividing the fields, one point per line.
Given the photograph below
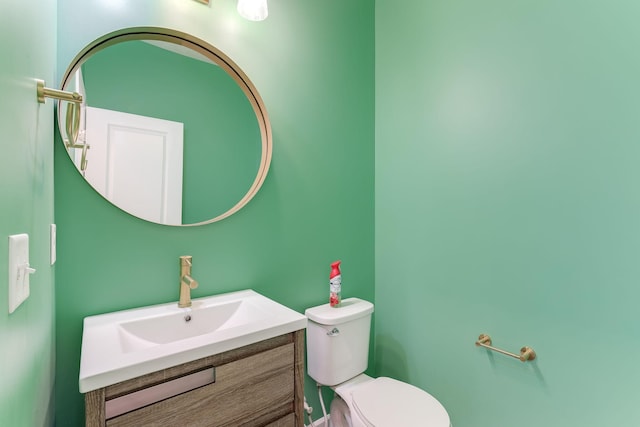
x=338 y=340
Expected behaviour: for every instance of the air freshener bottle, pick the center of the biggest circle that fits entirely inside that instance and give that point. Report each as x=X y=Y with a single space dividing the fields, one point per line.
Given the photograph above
x=335 y=284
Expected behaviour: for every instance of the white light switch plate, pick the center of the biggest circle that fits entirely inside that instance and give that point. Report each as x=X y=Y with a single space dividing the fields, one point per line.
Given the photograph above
x=19 y=270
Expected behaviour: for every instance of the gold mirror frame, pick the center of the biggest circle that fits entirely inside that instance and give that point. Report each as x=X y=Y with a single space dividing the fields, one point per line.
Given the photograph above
x=216 y=56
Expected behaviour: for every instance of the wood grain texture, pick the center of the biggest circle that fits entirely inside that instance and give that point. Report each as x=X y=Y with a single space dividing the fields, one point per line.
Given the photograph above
x=94 y=408
x=288 y=420
x=245 y=390
x=158 y=377
x=261 y=384
x=298 y=385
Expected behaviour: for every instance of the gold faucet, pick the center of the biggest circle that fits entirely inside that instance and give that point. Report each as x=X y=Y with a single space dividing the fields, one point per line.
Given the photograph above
x=186 y=281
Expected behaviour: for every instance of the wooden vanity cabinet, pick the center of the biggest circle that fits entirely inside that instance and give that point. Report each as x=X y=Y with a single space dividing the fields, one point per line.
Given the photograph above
x=257 y=385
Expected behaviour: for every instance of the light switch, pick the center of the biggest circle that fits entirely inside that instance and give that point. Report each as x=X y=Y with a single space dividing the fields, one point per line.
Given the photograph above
x=53 y=243
x=19 y=270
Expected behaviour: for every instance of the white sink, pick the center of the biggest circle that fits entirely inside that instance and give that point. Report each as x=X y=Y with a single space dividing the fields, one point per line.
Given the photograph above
x=166 y=326
x=126 y=344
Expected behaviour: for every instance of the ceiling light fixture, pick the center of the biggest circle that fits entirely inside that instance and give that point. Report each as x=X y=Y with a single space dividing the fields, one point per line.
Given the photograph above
x=253 y=10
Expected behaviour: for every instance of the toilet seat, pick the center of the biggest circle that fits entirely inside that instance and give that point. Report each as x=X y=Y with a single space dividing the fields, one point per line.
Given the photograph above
x=385 y=402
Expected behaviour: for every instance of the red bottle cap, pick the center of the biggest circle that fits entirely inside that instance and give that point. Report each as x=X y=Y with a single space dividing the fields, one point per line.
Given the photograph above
x=335 y=269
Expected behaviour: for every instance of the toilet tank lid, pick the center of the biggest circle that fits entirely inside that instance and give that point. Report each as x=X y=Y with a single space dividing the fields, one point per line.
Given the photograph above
x=349 y=309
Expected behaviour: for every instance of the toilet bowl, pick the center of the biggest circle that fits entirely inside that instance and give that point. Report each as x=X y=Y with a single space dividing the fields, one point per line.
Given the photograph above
x=340 y=414
x=382 y=402
x=337 y=354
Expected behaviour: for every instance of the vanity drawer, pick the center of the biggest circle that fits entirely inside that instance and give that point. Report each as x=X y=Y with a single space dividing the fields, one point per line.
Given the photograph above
x=256 y=390
x=286 y=421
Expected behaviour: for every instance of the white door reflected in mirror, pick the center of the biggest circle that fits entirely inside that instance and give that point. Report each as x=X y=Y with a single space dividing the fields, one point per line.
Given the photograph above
x=135 y=162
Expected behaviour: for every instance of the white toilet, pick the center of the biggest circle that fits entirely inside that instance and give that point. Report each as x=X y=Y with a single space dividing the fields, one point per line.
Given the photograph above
x=337 y=356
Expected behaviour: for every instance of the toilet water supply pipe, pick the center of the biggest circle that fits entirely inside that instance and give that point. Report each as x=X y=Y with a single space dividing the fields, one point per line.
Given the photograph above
x=324 y=411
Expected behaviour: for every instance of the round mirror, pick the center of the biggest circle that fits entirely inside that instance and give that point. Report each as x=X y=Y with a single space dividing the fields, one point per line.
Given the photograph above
x=170 y=129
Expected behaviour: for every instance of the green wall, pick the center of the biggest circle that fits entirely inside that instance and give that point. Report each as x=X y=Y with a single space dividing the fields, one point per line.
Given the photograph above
x=507 y=203
x=222 y=144
x=27 y=49
x=314 y=67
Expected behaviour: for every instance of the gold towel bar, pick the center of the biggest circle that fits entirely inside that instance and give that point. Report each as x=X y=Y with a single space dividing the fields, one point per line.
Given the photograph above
x=526 y=353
